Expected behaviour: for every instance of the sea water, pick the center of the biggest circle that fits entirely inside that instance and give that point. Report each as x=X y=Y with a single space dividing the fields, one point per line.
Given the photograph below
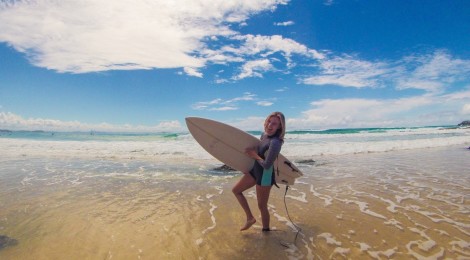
x=396 y=193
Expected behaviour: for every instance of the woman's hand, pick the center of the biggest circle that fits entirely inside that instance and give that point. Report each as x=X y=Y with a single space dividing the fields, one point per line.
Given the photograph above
x=251 y=151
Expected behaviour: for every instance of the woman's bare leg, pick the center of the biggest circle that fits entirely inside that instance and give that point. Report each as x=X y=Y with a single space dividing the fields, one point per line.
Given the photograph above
x=262 y=194
x=246 y=182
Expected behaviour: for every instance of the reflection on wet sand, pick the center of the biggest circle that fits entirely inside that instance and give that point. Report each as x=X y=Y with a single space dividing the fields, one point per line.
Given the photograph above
x=395 y=205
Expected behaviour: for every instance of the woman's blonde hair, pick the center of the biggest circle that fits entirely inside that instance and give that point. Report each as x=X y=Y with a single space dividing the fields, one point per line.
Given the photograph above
x=282 y=131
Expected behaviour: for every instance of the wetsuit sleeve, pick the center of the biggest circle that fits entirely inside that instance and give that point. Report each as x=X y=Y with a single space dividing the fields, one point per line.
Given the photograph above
x=272 y=153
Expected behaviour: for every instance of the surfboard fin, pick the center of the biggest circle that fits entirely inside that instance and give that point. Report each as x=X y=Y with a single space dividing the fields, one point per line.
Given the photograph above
x=290 y=166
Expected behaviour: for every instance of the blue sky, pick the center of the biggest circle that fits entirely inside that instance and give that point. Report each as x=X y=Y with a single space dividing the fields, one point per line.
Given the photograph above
x=146 y=65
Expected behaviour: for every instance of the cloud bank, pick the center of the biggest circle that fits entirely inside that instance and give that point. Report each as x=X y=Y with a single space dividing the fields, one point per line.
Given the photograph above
x=422 y=110
x=431 y=72
x=425 y=110
x=90 y=36
x=11 y=121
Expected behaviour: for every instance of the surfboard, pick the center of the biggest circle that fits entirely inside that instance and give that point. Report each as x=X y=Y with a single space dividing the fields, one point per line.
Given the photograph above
x=227 y=144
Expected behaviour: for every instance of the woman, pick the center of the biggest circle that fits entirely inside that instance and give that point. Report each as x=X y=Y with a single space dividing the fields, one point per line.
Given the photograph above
x=262 y=173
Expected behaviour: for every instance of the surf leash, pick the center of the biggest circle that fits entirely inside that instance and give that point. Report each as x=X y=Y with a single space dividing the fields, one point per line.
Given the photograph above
x=298 y=229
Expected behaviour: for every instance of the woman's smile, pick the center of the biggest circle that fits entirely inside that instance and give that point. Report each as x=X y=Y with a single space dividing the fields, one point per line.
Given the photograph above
x=273 y=125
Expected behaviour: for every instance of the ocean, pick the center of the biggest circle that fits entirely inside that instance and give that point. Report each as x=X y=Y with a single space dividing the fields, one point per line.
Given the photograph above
x=300 y=144
x=372 y=193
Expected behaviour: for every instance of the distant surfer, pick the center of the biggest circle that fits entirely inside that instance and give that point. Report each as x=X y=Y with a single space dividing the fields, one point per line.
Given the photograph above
x=262 y=173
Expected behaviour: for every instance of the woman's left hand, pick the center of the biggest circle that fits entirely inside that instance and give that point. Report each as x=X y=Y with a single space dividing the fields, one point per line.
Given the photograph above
x=251 y=151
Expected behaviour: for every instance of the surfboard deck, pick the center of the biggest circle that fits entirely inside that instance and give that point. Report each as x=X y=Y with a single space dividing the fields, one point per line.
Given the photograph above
x=227 y=144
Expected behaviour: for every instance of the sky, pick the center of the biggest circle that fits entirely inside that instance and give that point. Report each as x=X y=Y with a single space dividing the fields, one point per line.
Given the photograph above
x=143 y=66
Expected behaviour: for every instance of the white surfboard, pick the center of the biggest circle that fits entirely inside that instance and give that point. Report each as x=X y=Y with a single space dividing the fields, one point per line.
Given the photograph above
x=228 y=144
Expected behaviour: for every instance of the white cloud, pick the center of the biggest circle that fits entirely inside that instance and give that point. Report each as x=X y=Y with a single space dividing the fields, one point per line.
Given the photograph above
x=466 y=109
x=206 y=104
x=259 y=54
x=344 y=113
x=431 y=73
x=89 y=36
x=459 y=95
x=424 y=110
x=348 y=71
x=193 y=72
x=254 y=68
x=288 y=23
x=221 y=81
x=460 y=99
x=224 y=108
x=264 y=103
x=13 y=121
x=247 y=96
x=266 y=45
x=282 y=89
x=250 y=123
x=219 y=104
x=165 y=126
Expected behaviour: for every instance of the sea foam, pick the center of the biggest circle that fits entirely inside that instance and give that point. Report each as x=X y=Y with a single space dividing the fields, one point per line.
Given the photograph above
x=183 y=147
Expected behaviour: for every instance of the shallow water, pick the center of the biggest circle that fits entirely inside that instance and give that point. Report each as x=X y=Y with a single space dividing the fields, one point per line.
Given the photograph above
x=394 y=205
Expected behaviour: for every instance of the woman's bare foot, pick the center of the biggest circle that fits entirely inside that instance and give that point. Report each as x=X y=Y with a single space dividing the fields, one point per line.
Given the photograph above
x=248 y=224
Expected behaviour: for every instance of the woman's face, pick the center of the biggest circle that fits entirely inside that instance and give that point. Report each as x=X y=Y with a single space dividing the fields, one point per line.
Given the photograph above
x=273 y=125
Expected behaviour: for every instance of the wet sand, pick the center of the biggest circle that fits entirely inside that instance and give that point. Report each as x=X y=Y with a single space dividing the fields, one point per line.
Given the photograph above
x=395 y=205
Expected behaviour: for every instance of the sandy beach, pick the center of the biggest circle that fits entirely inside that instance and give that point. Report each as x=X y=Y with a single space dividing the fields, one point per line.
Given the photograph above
x=106 y=108
x=408 y=204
